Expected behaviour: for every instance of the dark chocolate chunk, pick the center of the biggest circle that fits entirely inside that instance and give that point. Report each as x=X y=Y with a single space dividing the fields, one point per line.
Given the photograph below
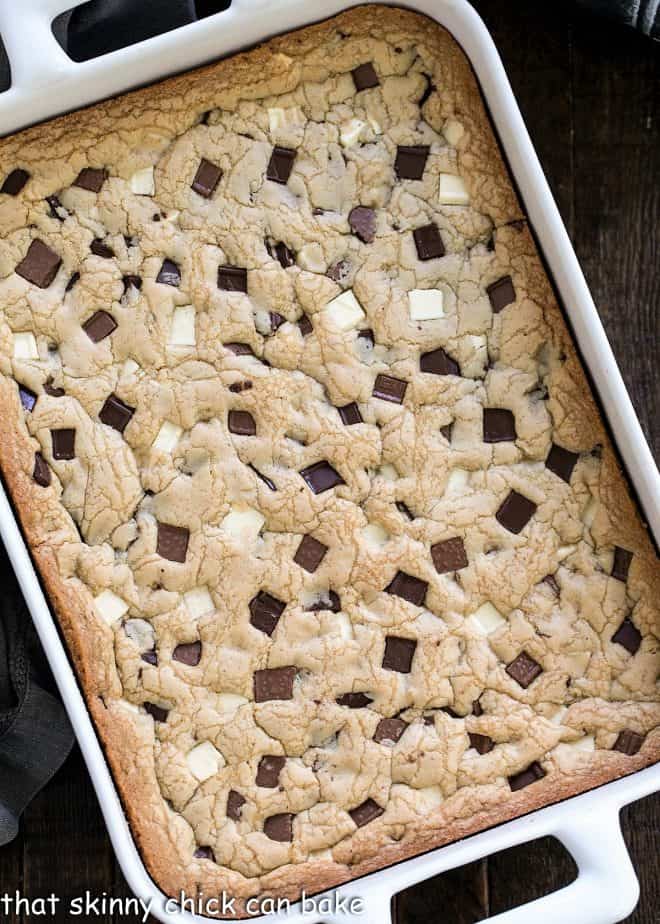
x=405 y=510
x=366 y=812
x=501 y=293
x=279 y=251
x=428 y=242
x=327 y=600
x=628 y=635
x=551 y=581
x=64 y=443
x=204 y=853
x=189 y=653
x=621 y=565
x=388 y=731
x=265 y=612
x=410 y=588
x=362 y=221
x=260 y=475
x=156 y=712
x=399 y=653
x=232 y=278
x=280 y=165
x=52 y=390
x=27 y=396
x=101 y=249
x=365 y=77
x=305 y=325
x=91 y=178
x=151 y=657
x=15 y=181
x=449 y=555
x=321 y=476
x=41 y=471
x=172 y=542
x=99 y=326
x=530 y=775
x=276 y=320
x=206 y=179
x=310 y=553
x=115 y=413
x=515 y=512
x=39 y=265
x=499 y=425
x=350 y=414
x=55 y=208
x=135 y=281
x=481 y=743
x=280 y=827
x=437 y=362
x=235 y=803
x=268 y=771
x=561 y=462
x=628 y=742
x=388 y=388
x=367 y=335
x=239 y=349
x=524 y=669
x=428 y=89
x=410 y=162
x=241 y=423
x=169 y=274
x=274 y=683
x=238 y=387
x=477 y=708
x=72 y=281
x=354 y=700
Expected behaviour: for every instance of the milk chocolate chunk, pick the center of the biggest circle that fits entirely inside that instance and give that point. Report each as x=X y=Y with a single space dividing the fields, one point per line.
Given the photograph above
x=321 y=476
x=280 y=165
x=481 y=743
x=515 y=512
x=115 y=413
x=437 y=362
x=169 y=274
x=157 y=712
x=189 y=653
x=27 y=397
x=410 y=588
x=241 y=423
x=428 y=242
x=399 y=653
x=561 y=462
x=350 y=414
x=207 y=178
x=310 y=553
x=151 y=657
x=204 y=853
x=64 y=443
x=365 y=77
x=628 y=742
x=389 y=730
x=101 y=249
x=268 y=771
x=362 y=221
x=410 y=161
x=265 y=612
x=99 y=326
x=39 y=265
x=354 y=700
x=274 y=683
x=135 y=281
x=232 y=278
x=172 y=542
x=41 y=472
x=91 y=178
x=388 y=388
x=501 y=293
x=628 y=635
x=524 y=669
x=305 y=325
x=449 y=555
x=276 y=320
x=239 y=349
x=366 y=812
x=621 y=565
x=499 y=425
x=526 y=777
x=235 y=803
x=15 y=181
x=405 y=510
x=280 y=827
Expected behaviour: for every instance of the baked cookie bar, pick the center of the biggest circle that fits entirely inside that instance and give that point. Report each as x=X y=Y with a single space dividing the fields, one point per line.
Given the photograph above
x=310 y=468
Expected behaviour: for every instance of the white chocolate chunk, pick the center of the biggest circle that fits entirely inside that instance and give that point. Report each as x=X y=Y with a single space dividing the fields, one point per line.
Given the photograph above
x=291 y=117
x=25 y=346
x=204 y=761
x=198 y=602
x=109 y=606
x=141 y=632
x=142 y=182
x=182 y=332
x=453 y=190
x=243 y=523
x=310 y=257
x=168 y=436
x=375 y=535
x=453 y=131
x=425 y=304
x=349 y=133
x=344 y=311
x=229 y=702
x=345 y=625
x=487 y=619
x=458 y=480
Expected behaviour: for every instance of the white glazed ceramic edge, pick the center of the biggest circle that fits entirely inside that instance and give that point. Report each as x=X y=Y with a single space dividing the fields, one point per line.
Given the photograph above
x=44 y=82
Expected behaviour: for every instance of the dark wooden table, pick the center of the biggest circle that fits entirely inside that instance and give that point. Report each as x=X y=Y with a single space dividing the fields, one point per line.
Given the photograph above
x=590 y=93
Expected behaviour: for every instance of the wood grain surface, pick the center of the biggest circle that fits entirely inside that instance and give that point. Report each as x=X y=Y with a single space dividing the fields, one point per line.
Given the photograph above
x=590 y=93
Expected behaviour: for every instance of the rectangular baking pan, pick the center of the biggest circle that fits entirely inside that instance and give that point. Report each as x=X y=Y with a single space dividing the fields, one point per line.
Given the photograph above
x=45 y=82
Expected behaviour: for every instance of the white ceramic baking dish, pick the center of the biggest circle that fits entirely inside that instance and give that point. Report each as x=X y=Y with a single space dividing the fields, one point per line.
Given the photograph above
x=46 y=82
